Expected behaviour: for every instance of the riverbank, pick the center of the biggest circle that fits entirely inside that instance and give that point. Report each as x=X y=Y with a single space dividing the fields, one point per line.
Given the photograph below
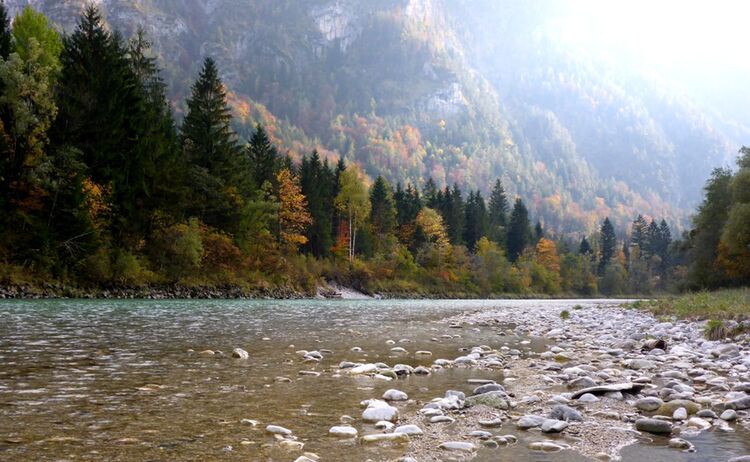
x=609 y=377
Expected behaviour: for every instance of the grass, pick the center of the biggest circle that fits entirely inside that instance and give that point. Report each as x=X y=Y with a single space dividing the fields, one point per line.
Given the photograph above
x=565 y=314
x=719 y=308
x=720 y=305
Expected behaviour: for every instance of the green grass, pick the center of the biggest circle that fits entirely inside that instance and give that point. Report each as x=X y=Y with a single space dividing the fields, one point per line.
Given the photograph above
x=565 y=314
x=717 y=307
x=722 y=304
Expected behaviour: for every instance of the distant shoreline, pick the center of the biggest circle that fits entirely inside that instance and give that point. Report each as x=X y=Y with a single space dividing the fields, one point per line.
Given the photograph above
x=177 y=292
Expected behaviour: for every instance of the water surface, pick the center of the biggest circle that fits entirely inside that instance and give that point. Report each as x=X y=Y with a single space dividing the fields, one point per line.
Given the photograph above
x=113 y=380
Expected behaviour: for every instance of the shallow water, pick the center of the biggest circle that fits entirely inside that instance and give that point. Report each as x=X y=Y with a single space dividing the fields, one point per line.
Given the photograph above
x=113 y=380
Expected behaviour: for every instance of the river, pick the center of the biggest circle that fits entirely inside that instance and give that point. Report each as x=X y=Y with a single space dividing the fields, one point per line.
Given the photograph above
x=125 y=380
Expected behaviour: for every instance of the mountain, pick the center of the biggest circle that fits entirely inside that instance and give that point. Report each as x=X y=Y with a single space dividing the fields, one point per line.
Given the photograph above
x=462 y=91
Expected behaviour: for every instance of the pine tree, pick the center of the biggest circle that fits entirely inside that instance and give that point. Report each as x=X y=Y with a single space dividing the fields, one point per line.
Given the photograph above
x=430 y=194
x=498 y=213
x=450 y=203
x=212 y=152
x=639 y=233
x=538 y=231
x=519 y=231
x=263 y=156
x=608 y=245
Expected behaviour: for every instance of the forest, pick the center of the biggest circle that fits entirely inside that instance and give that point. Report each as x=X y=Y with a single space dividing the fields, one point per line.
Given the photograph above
x=103 y=186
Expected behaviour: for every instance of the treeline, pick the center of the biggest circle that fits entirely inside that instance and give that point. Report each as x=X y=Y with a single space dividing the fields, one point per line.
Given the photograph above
x=101 y=187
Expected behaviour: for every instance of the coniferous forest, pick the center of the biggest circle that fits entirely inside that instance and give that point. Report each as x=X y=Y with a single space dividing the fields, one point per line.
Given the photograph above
x=103 y=186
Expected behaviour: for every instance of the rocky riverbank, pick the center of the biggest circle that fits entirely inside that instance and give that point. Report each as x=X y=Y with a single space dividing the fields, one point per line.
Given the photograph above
x=607 y=378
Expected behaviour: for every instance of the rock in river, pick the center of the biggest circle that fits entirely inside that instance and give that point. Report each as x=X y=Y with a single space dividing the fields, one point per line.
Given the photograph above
x=240 y=353
x=395 y=395
x=494 y=399
x=458 y=446
x=344 y=431
x=656 y=426
x=567 y=413
x=378 y=410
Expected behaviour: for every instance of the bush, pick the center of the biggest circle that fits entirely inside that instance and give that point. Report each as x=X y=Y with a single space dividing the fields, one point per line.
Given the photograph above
x=127 y=270
x=178 y=250
x=565 y=314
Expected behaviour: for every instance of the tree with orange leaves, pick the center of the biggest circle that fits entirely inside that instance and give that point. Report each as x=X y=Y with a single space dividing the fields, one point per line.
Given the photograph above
x=546 y=255
x=294 y=217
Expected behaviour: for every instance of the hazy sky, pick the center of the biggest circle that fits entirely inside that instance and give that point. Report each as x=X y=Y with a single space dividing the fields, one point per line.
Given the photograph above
x=705 y=45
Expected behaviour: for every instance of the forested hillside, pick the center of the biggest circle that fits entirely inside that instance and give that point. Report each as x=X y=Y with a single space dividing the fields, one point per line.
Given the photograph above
x=461 y=92
x=107 y=181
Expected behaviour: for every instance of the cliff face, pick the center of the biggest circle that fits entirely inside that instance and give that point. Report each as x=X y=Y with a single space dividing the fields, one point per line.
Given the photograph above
x=463 y=91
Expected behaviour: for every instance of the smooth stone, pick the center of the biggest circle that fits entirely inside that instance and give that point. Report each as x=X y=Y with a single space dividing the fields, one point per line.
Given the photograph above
x=679 y=443
x=343 y=431
x=363 y=369
x=601 y=389
x=480 y=434
x=396 y=438
x=482 y=389
x=656 y=426
x=277 y=430
x=588 y=398
x=442 y=419
x=491 y=423
x=378 y=410
x=649 y=404
x=567 y=413
x=668 y=408
x=458 y=446
x=680 y=414
x=582 y=382
x=240 y=353
x=493 y=399
x=738 y=404
x=546 y=446
x=554 y=426
x=422 y=370
x=395 y=395
x=409 y=430
x=729 y=415
x=384 y=425
x=530 y=421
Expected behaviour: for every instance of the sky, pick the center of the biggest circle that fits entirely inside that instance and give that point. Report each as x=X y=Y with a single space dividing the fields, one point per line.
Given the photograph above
x=702 y=45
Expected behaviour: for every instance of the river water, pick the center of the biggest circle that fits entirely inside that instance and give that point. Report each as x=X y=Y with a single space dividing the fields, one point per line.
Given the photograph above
x=115 y=381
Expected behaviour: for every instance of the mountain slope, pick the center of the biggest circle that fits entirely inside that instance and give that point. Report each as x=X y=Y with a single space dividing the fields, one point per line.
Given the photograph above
x=455 y=90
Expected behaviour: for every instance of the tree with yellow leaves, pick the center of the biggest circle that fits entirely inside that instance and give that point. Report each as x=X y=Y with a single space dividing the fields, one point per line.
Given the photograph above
x=294 y=217
x=546 y=255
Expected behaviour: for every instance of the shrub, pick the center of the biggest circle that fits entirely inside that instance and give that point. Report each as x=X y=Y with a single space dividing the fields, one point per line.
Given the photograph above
x=565 y=314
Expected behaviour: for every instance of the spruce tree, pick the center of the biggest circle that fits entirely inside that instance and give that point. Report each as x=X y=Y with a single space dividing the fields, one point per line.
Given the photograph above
x=316 y=182
x=639 y=232
x=382 y=210
x=475 y=226
x=519 y=231
x=609 y=245
x=263 y=157
x=5 y=32
x=211 y=149
x=498 y=213
x=585 y=248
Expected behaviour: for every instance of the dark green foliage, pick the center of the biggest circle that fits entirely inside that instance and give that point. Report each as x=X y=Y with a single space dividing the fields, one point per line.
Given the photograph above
x=318 y=184
x=519 y=231
x=263 y=156
x=383 y=210
x=609 y=245
x=218 y=174
x=585 y=248
x=476 y=220
x=450 y=204
x=5 y=32
x=706 y=234
x=497 y=213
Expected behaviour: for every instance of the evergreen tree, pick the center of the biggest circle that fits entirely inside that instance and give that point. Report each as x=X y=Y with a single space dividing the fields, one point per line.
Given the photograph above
x=639 y=233
x=609 y=245
x=382 y=210
x=430 y=193
x=538 y=231
x=498 y=213
x=585 y=248
x=5 y=32
x=263 y=156
x=451 y=206
x=211 y=149
x=519 y=231
x=316 y=179
x=476 y=220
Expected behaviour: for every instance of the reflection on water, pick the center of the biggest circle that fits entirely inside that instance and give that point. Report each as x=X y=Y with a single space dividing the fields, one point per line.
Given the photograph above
x=112 y=380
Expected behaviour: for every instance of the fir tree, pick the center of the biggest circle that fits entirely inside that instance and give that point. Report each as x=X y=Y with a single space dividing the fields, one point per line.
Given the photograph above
x=585 y=248
x=316 y=179
x=519 y=231
x=609 y=245
x=382 y=209
x=212 y=151
x=476 y=220
x=5 y=32
x=263 y=156
x=498 y=213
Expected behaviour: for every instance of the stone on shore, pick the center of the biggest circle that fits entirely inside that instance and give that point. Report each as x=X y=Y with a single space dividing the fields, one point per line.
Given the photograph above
x=344 y=431
x=239 y=353
x=458 y=446
x=656 y=426
x=378 y=410
x=395 y=395
x=494 y=399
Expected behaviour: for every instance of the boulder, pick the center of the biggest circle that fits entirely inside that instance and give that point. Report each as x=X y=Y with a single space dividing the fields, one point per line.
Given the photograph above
x=655 y=426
